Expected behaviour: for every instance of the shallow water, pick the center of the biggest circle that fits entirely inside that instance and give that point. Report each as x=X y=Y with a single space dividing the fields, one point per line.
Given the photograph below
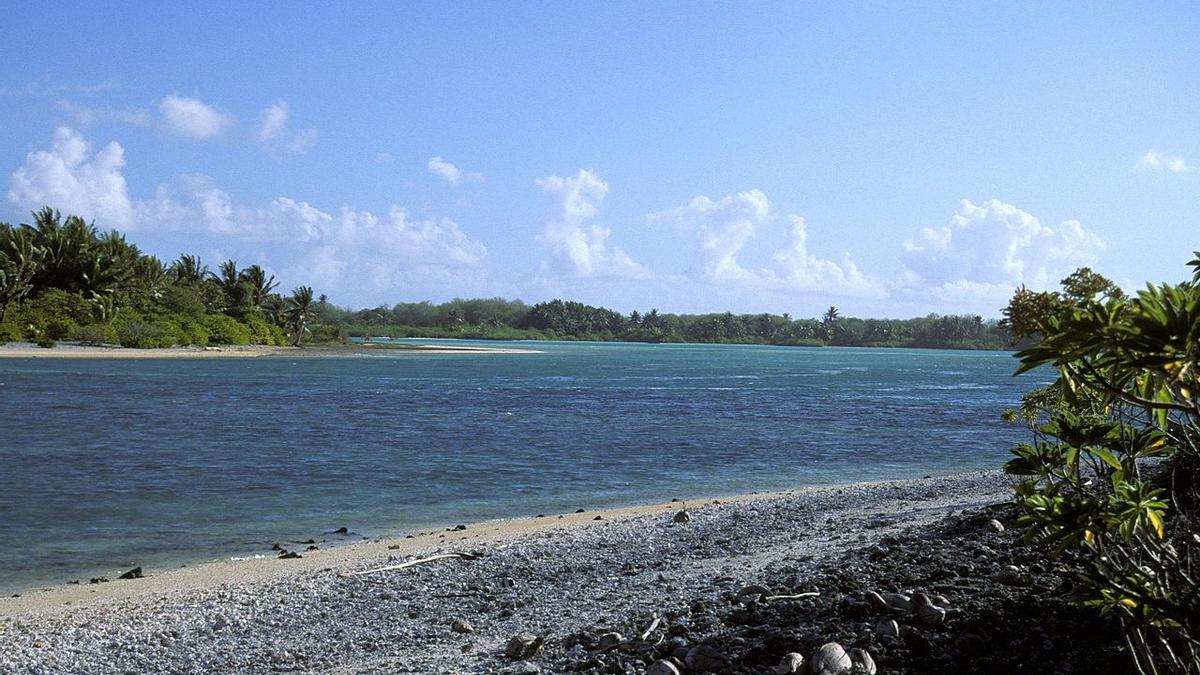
x=109 y=463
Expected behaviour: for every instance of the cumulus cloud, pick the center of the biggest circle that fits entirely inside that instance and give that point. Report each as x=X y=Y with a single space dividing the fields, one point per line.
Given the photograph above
x=275 y=135
x=73 y=179
x=989 y=249
x=345 y=250
x=723 y=227
x=1155 y=160
x=450 y=173
x=192 y=118
x=581 y=245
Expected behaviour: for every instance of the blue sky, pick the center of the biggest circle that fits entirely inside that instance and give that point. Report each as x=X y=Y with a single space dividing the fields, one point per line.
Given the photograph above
x=893 y=159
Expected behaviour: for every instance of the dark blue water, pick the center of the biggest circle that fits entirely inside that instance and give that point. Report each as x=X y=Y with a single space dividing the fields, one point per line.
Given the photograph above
x=108 y=463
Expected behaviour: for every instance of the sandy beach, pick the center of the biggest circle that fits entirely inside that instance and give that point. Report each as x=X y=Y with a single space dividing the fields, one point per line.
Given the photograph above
x=65 y=350
x=556 y=575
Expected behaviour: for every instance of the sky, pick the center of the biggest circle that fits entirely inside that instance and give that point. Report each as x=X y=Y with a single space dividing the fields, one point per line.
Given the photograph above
x=892 y=159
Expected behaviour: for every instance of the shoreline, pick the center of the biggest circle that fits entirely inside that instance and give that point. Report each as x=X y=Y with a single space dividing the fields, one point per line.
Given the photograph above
x=579 y=575
x=496 y=531
x=67 y=350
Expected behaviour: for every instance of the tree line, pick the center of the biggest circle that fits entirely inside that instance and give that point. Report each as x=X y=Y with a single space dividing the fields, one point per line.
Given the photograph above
x=559 y=319
x=62 y=278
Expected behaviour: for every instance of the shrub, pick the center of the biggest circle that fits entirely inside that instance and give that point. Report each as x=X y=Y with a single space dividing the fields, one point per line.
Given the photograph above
x=9 y=332
x=1128 y=391
x=263 y=332
x=143 y=335
x=46 y=342
x=57 y=329
x=96 y=334
x=225 y=330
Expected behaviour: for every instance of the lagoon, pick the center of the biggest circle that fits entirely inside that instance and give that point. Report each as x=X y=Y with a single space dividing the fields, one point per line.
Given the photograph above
x=110 y=463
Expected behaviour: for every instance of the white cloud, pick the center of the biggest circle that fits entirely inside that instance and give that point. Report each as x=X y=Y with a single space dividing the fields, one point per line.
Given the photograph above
x=192 y=118
x=583 y=246
x=1153 y=159
x=72 y=179
x=450 y=173
x=989 y=249
x=346 y=251
x=275 y=135
x=722 y=229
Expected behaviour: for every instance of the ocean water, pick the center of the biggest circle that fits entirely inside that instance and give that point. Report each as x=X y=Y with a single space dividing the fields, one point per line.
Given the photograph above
x=105 y=464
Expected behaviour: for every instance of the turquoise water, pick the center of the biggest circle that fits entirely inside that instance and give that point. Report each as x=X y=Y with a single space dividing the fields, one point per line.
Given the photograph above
x=109 y=463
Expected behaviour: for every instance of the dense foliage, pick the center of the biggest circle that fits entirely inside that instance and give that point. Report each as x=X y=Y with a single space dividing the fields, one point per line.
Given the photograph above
x=61 y=278
x=558 y=319
x=1112 y=469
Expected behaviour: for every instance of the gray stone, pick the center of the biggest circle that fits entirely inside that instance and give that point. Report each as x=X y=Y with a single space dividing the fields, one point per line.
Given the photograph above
x=931 y=615
x=897 y=601
x=753 y=592
x=995 y=525
x=862 y=663
x=683 y=516
x=830 y=659
x=887 y=628
x=662 y=667
x=704 y=658
x=460 y=626
x=790 y=664
x=609 y=640
x=523 y=646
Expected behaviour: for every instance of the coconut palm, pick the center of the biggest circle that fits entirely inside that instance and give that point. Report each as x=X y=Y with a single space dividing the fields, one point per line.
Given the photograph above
x=189 y=270
x=19 y=262
x=299 y=313
x=261 y=285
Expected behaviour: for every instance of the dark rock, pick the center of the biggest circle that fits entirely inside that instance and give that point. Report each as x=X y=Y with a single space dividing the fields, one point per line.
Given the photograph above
x=135 y=573
x=523 y=646
x=287 y=555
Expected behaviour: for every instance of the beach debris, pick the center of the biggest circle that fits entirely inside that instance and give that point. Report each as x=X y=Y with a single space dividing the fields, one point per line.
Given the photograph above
x=790 y=663
x=704 y=658
x=682 y=516
x=830 y=659
x=861 y=662
x=312 y=547
x=413 y=563
x=461 y=626
x=393 y=547
x=995 y=525
x=135 y=573
x=662 y=667
x=98 y=580
x=887 y=628
x=289 y=555
x=523 y=646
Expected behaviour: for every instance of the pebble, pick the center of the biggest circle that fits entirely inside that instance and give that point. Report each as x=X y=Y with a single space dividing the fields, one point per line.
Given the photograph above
x=683 y=516
x=523 y=646
x=887 y=628
x=862 y=663
x=995 y=525
x=460 y=626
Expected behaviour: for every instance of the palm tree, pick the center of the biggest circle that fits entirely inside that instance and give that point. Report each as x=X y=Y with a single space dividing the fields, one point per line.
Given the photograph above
x=189 y=270
x=260 y=283
x=19 y=262
x=299 y=312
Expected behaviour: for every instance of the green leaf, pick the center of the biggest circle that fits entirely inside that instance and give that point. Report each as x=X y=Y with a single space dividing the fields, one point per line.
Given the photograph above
x=1107 y=457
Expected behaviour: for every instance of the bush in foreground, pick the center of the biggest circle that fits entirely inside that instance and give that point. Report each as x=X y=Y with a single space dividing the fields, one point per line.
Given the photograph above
x=1124 y=409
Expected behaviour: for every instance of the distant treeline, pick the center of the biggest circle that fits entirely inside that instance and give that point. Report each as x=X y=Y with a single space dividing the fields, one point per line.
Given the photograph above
x=63 y=278
x=498 y=318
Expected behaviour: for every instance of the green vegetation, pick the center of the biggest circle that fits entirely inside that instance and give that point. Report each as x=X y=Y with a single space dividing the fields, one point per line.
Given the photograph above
x=62 y=279
x=1111 y=474
x=497 y=318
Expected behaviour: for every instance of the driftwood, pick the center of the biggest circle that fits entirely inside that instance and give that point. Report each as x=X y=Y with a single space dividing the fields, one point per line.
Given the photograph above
x=413 y=563
x=654 y=624
x=772 y=598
